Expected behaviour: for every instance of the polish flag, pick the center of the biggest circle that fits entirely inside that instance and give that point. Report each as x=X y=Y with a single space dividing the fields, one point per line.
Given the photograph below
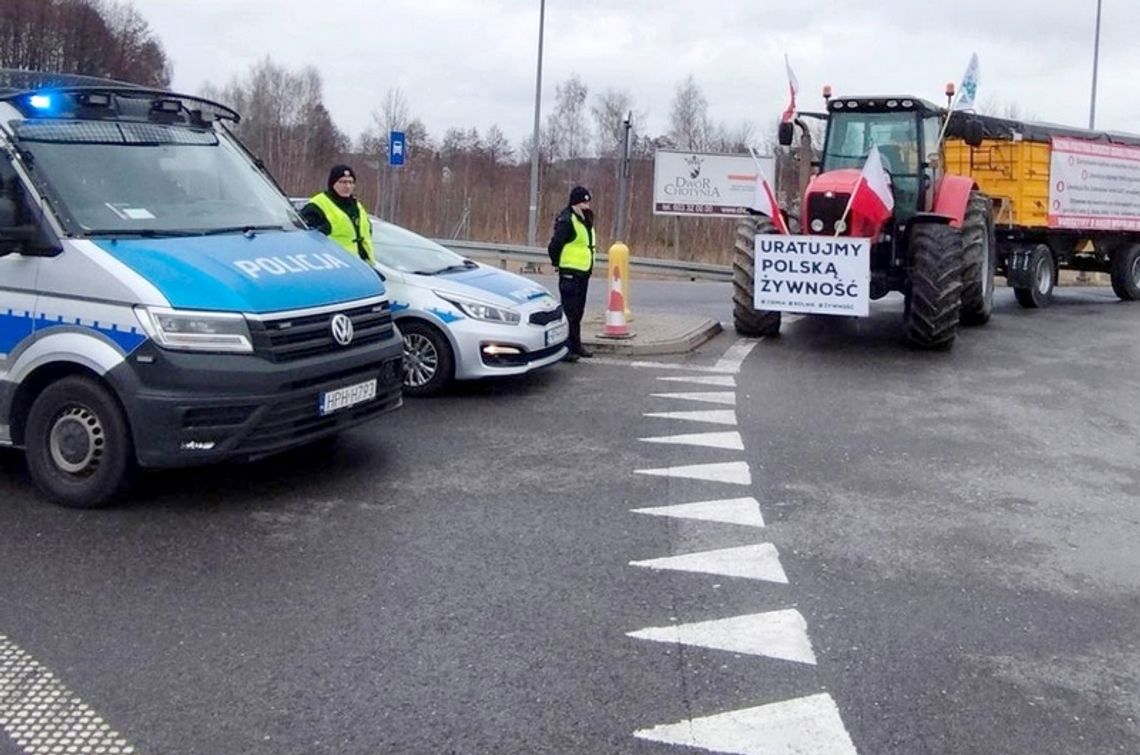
x=764 y=199
x=793 y=87
x=872 y=201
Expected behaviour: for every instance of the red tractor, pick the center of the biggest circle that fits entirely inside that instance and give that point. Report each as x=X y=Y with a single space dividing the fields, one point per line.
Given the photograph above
x=938 y=248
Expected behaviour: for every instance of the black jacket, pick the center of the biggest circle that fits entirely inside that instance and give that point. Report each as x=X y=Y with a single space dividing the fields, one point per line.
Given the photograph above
x=564 y=233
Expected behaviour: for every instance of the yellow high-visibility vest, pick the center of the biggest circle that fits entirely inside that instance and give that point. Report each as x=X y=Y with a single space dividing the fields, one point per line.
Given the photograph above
x=578 y=254
x=343 y=231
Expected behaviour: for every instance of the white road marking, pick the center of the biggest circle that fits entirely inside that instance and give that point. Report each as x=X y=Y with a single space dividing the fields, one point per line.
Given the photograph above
x=774 y=634
x=725 y=381
x=748 y=561
x=736 y=354
x=727 y=398
x=745 y=511
x=802 y=726
x=713 y=416
x=731 y=472
x=729 y=441
x=655 y=365
x=43 y=717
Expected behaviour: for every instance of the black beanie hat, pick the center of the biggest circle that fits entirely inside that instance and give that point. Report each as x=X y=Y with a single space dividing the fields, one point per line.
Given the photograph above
x=579 y=194
x=338 y=172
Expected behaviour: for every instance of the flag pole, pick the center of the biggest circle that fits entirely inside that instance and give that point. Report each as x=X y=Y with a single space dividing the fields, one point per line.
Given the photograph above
x=946 y=121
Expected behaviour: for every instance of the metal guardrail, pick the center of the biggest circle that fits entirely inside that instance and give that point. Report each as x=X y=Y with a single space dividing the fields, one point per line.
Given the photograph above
x=537 y=256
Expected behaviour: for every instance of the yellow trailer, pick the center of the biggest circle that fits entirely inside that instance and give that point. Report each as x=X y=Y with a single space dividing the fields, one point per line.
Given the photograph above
x=1064 y=198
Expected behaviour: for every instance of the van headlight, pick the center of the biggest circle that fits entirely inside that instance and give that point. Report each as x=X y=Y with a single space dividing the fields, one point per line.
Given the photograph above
x=185 y=330
x=480 y=311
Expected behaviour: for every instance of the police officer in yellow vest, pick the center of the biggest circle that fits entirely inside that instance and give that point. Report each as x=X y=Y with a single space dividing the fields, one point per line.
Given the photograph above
x=338 y=214
x=572 y=250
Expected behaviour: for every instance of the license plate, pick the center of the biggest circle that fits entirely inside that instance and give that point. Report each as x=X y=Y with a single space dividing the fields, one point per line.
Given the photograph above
x=350 y=395
x=557 y=334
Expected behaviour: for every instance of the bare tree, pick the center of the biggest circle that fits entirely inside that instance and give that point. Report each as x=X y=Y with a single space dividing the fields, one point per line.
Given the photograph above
x=497 y=146
x=89 y=37
x=610 y=109
x=688 y=118
x=995 y=106
x=568 y=134
x=285 y=123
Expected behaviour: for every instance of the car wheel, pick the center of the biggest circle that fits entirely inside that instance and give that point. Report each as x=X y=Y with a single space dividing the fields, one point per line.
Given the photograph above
x=429 y=363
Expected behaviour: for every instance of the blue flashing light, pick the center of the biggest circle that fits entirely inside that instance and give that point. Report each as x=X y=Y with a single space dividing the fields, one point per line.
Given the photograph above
x=40 y=101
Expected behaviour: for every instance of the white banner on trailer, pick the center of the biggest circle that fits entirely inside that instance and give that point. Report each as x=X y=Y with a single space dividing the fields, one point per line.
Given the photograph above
x=817 y=275
x=706 y=185
x=1094 y=185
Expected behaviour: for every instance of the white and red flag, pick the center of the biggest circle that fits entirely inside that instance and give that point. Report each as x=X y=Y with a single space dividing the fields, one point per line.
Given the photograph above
x=764 y=199
x=872 y=201
x=793 y=87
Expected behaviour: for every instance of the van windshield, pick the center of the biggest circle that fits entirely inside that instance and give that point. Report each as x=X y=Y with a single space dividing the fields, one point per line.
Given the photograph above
x=121 y=178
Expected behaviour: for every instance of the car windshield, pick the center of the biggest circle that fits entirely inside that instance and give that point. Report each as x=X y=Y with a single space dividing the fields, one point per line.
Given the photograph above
x=150 y=179
x=410 y=252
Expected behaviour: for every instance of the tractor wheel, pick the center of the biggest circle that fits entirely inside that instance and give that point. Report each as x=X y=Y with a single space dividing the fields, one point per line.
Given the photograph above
x=1043 y=272
x=748 y=320
x=934 y=298
x=1126 y=272
x=979 y=257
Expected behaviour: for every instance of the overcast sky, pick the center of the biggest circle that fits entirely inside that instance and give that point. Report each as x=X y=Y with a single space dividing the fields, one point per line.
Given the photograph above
x=471 y=63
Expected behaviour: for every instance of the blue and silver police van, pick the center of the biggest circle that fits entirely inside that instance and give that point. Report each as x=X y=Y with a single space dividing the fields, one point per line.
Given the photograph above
x=161 y=302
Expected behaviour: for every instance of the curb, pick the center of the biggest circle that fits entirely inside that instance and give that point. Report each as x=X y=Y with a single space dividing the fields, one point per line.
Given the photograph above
x=681 y=340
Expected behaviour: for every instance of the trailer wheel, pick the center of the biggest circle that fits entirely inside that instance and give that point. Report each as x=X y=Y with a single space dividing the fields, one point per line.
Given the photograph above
x=79 y=449
x=748 y=320
x=1126 y=272
x=1043 y=277
x=979 y=257
x=934 y=295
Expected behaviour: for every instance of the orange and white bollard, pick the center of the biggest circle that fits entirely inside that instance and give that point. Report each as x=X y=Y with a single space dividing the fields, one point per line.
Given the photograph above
x=616 y=326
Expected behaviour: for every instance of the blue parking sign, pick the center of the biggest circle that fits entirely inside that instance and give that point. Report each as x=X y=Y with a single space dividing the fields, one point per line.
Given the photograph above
x=397 y=146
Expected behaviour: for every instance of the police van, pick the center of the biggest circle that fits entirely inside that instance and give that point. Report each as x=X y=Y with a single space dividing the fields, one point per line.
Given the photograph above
x=161 y=302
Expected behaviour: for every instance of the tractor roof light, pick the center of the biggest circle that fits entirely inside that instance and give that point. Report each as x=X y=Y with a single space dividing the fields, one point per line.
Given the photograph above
x=827 y=91
x=950 y=89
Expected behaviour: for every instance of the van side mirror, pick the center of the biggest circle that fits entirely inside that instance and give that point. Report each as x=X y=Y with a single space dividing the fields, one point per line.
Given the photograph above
x=974 y=134
x=26 y=239
x=785 y=133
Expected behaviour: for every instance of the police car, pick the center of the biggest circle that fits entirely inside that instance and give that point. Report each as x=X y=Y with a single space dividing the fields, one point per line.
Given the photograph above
x=161 y=303
x=462 y=320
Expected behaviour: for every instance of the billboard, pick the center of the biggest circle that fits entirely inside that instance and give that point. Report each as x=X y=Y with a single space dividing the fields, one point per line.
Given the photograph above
x=706 y=184
x=1094 y=186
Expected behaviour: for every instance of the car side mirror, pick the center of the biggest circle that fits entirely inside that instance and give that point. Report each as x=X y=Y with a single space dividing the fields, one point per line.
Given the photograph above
x=785 y=133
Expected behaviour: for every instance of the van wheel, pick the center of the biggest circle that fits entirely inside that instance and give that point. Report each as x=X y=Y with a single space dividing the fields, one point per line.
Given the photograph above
x=428 y=361
x=78 y=445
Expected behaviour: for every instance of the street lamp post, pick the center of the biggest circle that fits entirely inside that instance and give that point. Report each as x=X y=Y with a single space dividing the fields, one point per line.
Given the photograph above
x=1096 y=60
x=532 y=221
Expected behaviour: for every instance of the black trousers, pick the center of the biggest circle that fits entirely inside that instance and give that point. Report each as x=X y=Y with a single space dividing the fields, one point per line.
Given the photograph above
x=572 y=288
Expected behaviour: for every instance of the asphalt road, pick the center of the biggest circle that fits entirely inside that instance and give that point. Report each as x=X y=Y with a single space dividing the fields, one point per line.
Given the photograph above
x=957 y=534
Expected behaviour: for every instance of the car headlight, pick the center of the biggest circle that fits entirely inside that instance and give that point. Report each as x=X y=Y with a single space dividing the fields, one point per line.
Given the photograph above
x=481 y=311
x=185 y=330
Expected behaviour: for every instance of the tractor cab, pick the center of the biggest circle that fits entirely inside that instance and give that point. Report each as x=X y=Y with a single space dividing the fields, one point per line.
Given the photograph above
x=906 y=131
